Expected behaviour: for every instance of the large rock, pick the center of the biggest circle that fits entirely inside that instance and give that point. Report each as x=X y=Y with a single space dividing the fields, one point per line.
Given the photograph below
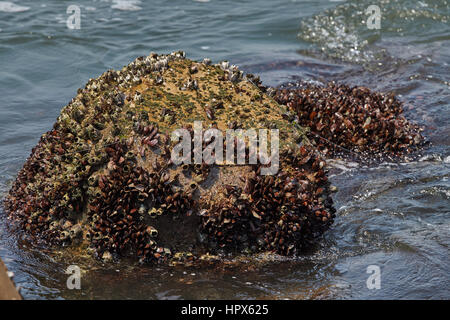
x=103 y=177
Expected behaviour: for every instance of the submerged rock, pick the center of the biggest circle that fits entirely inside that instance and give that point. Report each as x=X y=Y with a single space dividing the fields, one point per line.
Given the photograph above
x=103 y=178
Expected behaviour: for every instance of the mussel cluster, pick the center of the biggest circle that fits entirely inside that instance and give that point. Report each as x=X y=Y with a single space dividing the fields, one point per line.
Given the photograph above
x=345 y=119
x=283 y=213
x=125 y=200
x=103 y=178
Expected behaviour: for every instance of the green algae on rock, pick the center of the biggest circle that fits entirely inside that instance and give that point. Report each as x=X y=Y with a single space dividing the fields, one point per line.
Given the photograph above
x=103 y=180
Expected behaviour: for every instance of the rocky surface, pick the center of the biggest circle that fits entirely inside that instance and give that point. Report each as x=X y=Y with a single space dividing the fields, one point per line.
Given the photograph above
x=348 y=121
x=102 y=179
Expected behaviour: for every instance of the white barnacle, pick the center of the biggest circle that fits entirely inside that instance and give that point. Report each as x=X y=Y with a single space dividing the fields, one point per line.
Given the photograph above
x=224 y=65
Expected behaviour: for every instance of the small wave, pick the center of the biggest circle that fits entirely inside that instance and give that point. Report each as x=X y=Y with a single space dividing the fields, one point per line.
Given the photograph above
x=342 y=166
x=89 y=8
x=342 y=32
x=437 y=191
x=336 y=33
x=6 y=6
x=126 y=5
x=431 y=157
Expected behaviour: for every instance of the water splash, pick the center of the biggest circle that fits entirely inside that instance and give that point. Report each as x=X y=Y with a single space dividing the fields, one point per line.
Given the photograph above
x=342 y=32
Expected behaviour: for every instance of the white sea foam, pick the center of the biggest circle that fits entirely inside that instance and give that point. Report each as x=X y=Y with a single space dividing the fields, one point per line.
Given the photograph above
x=6 y=6
x=342 y=165
x=126 y=5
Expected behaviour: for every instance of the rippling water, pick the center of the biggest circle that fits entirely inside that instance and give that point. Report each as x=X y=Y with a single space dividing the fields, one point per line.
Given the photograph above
x=395 y=216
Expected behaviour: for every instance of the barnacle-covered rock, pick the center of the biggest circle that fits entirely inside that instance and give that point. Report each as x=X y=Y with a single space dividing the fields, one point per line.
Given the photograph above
x=351 y=121
x=103 y=177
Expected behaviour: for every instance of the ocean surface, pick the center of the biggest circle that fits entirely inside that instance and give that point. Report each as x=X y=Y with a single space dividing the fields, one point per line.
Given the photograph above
x=395 y=216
